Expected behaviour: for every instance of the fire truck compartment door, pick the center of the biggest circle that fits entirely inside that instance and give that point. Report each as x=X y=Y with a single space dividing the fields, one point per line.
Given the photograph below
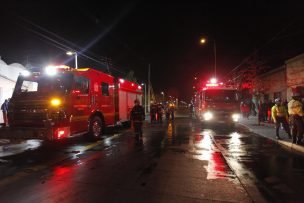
x=126 y=103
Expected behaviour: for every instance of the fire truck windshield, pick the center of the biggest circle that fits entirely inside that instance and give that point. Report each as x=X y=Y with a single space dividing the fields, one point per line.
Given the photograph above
x=43 y=84
x=217 y=95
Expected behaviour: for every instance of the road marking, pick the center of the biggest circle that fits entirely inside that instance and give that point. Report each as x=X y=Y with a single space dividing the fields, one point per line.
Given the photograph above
x=27 y=171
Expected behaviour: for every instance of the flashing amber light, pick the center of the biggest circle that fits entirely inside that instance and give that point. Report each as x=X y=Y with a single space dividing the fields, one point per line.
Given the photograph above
x=55 y=102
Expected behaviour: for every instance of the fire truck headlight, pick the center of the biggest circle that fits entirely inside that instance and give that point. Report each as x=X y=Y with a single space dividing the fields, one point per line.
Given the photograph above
x=50 y=70
x=55 y=102
x=208 y=116
x=26 y=73
x=235 y=117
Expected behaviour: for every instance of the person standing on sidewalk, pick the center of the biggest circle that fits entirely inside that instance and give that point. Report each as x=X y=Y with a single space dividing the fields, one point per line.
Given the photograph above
x=4 y=108
x=153 y=112
x=279 y=115
x=295 y=110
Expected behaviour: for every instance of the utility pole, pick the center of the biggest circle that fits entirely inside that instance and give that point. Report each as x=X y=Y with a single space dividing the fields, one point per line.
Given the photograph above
x=149 y=89
x=214 y=49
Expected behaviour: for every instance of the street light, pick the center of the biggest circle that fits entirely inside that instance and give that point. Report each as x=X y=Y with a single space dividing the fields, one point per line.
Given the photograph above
x=70 y=53
x=163 y=96
x=203 y=41
x=145 y=105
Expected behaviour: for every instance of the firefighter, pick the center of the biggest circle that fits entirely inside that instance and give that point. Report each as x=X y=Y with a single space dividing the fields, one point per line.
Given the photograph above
x=171 y=111
x=160 y=110
x=137 y=118
x=295 y=110
x=279 y=115
x=153 y=112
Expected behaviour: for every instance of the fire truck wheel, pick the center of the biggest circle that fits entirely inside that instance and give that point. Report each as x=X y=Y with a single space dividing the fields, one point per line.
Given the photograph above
x=95 y=128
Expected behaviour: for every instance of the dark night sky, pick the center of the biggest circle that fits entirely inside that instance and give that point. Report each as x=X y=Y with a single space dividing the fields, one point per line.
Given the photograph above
x=163 y=34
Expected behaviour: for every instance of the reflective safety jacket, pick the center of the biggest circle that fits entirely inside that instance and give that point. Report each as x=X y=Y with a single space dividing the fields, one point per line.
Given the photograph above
x=278 y=111
x=295 y=107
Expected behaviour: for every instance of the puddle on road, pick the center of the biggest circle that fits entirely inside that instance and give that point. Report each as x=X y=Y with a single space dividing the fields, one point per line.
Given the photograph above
x=20 y=147
x=217 y=167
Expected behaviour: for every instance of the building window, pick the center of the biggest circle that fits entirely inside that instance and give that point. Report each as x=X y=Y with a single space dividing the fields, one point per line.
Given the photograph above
x=105 y=89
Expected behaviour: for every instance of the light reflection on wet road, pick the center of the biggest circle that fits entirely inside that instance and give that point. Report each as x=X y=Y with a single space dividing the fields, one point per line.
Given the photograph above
x=230 y=155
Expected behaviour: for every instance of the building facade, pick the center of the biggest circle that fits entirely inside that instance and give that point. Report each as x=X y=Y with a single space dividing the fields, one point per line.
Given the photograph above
x=8 y=78
x=282 y=81
x=295 y=75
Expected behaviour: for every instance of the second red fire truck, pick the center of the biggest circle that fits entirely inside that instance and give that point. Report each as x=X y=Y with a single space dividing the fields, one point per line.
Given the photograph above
x=217 y=103
x=60 y=102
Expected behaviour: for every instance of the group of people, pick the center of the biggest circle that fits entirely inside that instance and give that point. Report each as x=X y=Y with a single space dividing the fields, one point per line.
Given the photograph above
x=158 y=110
x=290 y=115
x=137 y=116
x=247 y=107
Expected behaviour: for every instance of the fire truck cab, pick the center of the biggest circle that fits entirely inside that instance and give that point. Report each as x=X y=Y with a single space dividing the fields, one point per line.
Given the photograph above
x=60 y=102
x=217 y=103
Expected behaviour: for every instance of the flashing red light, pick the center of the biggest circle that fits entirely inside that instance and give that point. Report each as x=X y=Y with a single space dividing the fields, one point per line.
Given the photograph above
x=121 y=80
x=60 y=133
x=213 y=80
x=139 y=87
x=132 y=84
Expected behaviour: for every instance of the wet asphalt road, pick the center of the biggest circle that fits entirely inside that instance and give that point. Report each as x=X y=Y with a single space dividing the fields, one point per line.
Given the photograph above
x=116 y=170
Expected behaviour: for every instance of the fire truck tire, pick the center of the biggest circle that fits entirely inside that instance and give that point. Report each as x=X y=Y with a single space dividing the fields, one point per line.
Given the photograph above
x=95 y=128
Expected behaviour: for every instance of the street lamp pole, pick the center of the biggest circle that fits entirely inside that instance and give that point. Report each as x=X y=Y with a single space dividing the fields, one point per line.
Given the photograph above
x=145 y=100
x=76 y=60
x=70 y=53
x=214 y=48
x=203 y=41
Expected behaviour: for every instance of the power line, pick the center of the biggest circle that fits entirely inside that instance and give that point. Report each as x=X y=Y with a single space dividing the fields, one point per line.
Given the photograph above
x=65 y=47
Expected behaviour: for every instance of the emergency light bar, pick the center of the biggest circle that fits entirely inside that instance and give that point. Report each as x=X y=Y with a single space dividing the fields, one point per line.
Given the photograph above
x=52 y=70
x=212 y=85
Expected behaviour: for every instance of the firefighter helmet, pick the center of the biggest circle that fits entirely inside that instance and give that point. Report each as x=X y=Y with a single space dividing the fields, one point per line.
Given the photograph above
x=136 y=101
x=277 y=100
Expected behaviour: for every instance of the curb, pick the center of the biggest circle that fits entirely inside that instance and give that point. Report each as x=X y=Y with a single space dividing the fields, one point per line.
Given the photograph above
x=288 y=145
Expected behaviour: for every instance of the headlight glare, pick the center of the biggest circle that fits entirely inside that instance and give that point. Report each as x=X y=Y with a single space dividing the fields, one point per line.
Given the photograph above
x=208 y=116
x=235 y=117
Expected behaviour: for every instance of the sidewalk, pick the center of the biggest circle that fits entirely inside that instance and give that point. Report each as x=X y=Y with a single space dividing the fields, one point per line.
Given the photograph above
x=268 y=130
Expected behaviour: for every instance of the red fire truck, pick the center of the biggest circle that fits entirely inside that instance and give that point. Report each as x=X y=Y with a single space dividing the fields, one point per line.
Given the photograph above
x=217 y=103
x=60 y=102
